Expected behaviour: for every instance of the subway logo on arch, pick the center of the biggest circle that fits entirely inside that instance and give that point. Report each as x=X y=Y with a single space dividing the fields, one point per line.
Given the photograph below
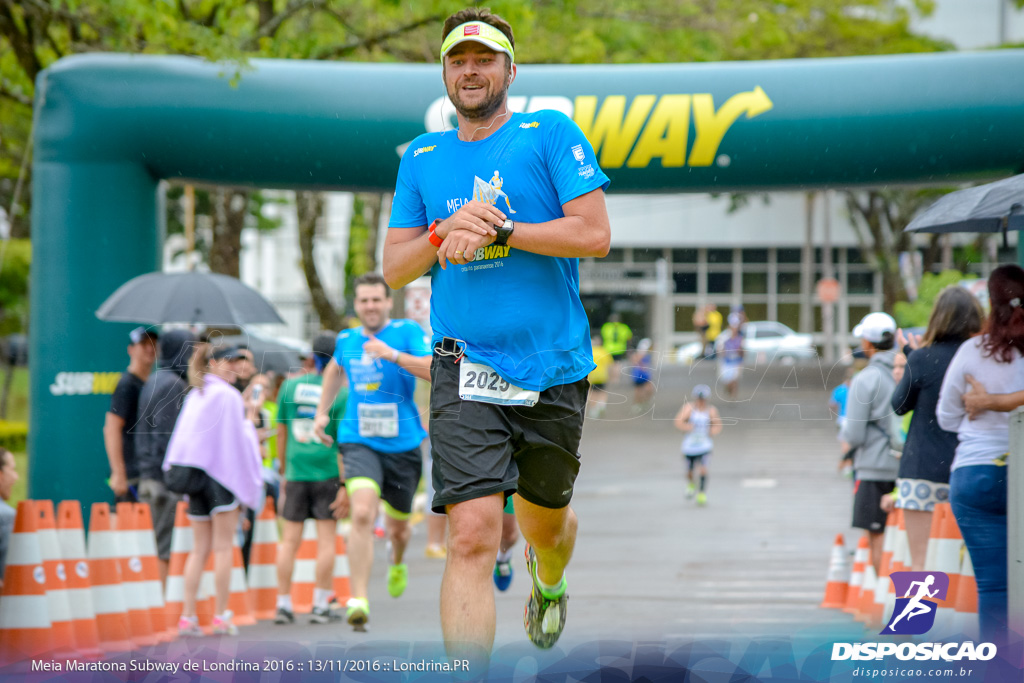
x=644 y=130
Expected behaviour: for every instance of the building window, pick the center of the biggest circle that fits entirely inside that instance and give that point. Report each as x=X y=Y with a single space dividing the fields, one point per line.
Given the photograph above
x=686 y=283
x=755 y=283
x=788 y=283
x=615 y=255
x=789 y=256
x=789 y=315
x=684 y=318
x=860 y=283
x=756 y=311
x=719 y=283
x=684 y=256
x=755 y=256
x=719 y=255
x=647 y=255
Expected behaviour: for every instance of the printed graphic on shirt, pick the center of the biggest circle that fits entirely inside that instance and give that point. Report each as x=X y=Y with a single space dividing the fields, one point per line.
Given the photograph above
x=489 y=191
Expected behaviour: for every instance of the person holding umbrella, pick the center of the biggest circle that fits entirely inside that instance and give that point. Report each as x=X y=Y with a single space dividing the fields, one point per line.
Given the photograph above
x=214 y=457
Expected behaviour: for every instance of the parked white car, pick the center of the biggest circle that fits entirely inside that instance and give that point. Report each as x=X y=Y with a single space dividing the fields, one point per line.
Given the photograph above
x=772 y=339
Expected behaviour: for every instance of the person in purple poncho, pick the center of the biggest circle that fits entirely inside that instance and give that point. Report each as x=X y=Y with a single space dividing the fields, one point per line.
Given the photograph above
x=215 y=441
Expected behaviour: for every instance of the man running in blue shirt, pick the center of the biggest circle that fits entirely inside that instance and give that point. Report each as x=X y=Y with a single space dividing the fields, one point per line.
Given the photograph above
x=379 y=438
x=511 y=338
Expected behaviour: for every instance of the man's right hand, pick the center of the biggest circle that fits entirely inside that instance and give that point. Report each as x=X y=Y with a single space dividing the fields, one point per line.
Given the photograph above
x=320 y=423
x=475 y=216
x=118 y=484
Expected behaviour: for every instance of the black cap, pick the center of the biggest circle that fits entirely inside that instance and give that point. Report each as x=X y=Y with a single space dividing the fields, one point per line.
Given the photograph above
x=323 y=344
x=139 y=333
x=228 y=353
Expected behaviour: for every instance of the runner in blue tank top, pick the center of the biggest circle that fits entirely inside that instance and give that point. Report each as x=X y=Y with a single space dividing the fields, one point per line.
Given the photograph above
x=500 y=210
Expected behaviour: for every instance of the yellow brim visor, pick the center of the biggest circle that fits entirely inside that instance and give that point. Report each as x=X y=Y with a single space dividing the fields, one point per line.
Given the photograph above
x=479 y=32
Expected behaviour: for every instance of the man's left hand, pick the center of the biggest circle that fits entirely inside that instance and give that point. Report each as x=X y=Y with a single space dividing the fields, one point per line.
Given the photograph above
x=460 y=246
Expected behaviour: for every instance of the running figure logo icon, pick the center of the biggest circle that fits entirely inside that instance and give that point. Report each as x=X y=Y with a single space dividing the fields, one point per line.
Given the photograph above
x=914 y=613
x=489 y=191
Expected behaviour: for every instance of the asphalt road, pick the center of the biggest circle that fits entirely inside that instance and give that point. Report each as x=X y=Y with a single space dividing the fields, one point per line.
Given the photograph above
x=651 y=565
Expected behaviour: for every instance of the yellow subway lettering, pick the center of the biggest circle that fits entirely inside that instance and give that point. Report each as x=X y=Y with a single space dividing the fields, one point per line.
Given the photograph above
x=665 y=134
x=611 y=129
x=711 y=126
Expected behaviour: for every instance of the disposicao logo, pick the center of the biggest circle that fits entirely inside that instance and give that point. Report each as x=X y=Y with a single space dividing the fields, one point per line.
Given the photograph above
x=914 y=613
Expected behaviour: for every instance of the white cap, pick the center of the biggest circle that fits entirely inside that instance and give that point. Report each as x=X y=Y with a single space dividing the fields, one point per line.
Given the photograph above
x=644 y=344
x=874 y=326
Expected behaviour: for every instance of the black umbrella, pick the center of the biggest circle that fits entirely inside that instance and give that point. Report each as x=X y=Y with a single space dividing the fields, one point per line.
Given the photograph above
x=993 y=207
x=208 y=298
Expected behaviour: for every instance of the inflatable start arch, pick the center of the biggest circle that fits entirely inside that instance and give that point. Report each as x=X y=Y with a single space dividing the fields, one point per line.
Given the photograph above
x=110 y=127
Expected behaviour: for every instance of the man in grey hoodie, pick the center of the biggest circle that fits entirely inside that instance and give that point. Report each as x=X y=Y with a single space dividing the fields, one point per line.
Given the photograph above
x=159 y=404
x=868 y=426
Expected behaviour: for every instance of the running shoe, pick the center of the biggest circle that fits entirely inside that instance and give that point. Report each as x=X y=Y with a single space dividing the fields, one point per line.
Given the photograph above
x=357 y=613
x=223 y=626
x=398 y=579
x=503 y=575
x=544 y=618
x=702 y=498
x=284 y=616
x=188 y=627
x=436 y=552
x=323 y=615
x=690 y=490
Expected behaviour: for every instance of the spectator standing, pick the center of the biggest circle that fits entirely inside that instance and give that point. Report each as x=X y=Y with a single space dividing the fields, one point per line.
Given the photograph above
x=119 y=427
x=978 y=479
x=216 y=447
x=159 y=405
x=928 y=452
x=868 y=428
x=714 y=327
x=616 y=335
x=598 y=398
x=730 y=362
x=8 y=476
x=312 y=488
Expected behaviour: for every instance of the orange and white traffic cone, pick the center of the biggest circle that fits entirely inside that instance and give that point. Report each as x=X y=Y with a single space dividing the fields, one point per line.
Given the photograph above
x=263 y=563
x=304 y=573
x=152 y=588
x=132 y=578
x=838 y=581
x=24 y=609
x=71 y=536
x=342 y=586
x=107 y=593
x=61 y=630
x=860 y=558
x=206 y=603
x=948 y=549
x=181 y=546
x=888 y=545
x=901 y=560
x=866 y=606
x=239 y=600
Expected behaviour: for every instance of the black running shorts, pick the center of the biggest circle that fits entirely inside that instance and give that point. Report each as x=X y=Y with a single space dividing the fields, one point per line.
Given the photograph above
x=213 y=498
x=867 y=505
x=481 y=449
x=309 y=499
x=397 y=475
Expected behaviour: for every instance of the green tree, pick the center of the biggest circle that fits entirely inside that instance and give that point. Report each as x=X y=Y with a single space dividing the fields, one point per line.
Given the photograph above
x=916 y=314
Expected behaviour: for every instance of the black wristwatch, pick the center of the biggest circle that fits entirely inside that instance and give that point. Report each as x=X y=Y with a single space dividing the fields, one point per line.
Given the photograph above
x=504 y=232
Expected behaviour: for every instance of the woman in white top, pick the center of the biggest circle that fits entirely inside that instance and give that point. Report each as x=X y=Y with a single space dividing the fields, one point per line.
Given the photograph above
x=700 y=421
x=978 y=474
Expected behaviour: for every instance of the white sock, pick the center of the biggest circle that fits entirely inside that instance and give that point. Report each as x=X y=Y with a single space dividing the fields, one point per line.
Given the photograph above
x=504 y=555
x=285 y=601
x=321 y=596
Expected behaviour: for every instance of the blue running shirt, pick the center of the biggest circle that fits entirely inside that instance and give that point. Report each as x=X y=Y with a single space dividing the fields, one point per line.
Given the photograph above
x=380 y=412
x=518 y=312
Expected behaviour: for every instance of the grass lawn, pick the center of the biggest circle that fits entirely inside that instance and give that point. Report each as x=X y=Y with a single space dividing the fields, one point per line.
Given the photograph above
x=17 y=402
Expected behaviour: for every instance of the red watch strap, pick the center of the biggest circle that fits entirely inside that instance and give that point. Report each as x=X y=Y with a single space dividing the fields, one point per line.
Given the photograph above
x=434 y=238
